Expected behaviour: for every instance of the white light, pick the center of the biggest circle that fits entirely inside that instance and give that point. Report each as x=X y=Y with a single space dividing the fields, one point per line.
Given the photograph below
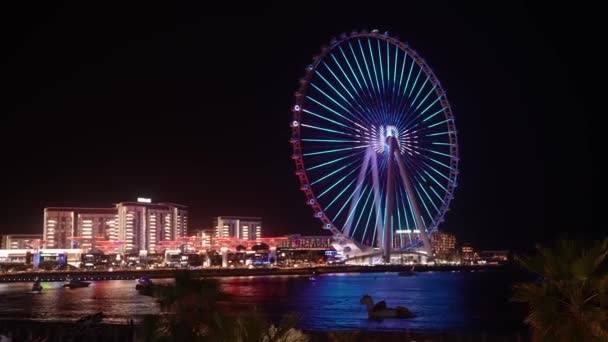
x=144 y=200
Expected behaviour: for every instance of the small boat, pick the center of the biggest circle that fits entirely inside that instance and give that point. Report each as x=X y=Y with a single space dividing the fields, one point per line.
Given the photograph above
x=145 y=286
x=72 y=283
x=36 y=287
x=407 y=273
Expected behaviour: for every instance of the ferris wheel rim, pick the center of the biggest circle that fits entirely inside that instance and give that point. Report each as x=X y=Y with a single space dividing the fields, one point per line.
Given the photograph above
x=305 y=184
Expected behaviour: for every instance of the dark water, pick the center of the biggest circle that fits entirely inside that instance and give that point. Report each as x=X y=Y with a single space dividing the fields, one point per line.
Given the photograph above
x=442 y=301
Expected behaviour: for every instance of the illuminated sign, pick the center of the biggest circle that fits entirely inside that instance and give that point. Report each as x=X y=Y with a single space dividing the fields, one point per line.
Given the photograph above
x=144 y=200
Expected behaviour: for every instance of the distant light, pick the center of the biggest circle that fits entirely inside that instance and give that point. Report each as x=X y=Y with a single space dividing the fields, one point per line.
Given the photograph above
x=144 y=200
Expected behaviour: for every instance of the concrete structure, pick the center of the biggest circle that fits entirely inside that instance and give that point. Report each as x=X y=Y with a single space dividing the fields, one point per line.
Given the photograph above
x=444 y=245
x=240 y=227
x=71 y=227
x=20 y=241
x=143 y=225
x=127 y=228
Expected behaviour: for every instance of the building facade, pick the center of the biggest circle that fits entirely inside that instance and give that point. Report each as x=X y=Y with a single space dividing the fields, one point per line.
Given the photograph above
x=240 y=227
x=127 y=228
x=78 y=227
x=21 y=241
x=444 y=245
x=144 y=227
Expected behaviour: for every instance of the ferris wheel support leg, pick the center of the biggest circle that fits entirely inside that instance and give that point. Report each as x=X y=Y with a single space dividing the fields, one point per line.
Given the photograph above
x=410 y=192
x=387 y=235
x=377 y=197
x=362 y=173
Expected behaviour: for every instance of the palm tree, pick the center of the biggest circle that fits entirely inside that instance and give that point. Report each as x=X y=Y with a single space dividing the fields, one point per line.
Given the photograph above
x=191 y=315
x=569 y=300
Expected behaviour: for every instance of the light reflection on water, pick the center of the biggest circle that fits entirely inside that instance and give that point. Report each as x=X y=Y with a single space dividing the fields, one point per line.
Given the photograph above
x=441 y=301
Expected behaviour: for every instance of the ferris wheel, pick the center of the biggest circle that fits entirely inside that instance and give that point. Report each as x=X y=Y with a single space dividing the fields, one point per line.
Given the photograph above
x=374 y=143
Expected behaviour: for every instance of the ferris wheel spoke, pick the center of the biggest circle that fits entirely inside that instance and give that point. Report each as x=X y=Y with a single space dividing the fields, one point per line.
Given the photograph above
x=371 y=82
x=325 y=118
x=349 y=103
x=334 y=150
x=415 y=81
x=326 y=129
x=332 y=161
x=333 y=173
x=371 y=54
x=336 y=183
x=381 y=70
x=340 y=194
x=364 y=92
x=419 y=91
x=336 y=113
x=410 y=122
x=334 y=101
x=425 y=97
x=360 y=70
x=337 y=215
x=364 y=113
x=366 y=110
x=361 y=212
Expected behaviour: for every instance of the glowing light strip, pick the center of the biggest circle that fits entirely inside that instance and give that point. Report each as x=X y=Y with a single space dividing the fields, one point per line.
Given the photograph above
x=433 y=178
x=333 y=173
x=333 y=141
x=366 y=109
x=334 y=101
x=371 y=53
x=424 y=205
x=335 y=90
x=324 y=118
x=439 y=123
x=381 y=68
x=415 y=81
x=429 y=106
x=436 y=134
x=436 y=194
x=424 y=99
x=366 y=65
x=439 y=173
x=350 y=67
x=332 y=151
x=338 y=182
x=420 y=90
x=346 y=202
x=362 y=211
x=331 y=162
x=428 y=196
x=408 y=77
x=340 y=194
x=324 y=129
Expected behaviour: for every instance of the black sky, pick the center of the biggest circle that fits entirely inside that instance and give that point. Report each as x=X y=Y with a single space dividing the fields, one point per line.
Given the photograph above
x=184 y=105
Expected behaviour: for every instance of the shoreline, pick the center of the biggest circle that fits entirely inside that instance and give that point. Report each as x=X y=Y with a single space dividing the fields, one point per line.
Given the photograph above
x=233 y=272
x=56 y=330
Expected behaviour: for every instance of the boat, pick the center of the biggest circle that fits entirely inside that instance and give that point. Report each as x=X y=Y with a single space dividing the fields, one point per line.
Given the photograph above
x=73 y=283
x=145 y=286
x=407 y=273
x=36 y=287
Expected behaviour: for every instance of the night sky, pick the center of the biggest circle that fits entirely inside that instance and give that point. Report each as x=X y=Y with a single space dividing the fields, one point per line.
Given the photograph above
x=183 y=105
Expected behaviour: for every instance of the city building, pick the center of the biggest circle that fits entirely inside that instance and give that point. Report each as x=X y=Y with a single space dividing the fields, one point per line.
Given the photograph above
x=468 y=254
x=144 y=226
x=206 y=237
x=128 y=228
x=444 y=245
x=297 y=241
x=71 y=227
x=21 y=241
x=246 y=228
x=494 y=256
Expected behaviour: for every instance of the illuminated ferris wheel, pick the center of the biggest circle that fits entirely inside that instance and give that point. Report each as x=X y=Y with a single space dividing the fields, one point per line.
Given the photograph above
x=374 y=143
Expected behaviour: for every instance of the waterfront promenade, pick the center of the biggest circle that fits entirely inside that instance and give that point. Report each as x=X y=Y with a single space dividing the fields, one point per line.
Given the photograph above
x=227 y=272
